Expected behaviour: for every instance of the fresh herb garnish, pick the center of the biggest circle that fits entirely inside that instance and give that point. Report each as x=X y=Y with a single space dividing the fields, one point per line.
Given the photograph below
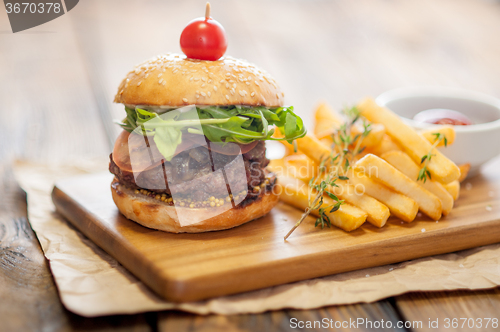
x=238 y=124
x=424 y=172
x=337 y=165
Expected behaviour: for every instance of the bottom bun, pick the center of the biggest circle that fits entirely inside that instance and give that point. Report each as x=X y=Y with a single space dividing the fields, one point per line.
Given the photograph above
x=156 y=214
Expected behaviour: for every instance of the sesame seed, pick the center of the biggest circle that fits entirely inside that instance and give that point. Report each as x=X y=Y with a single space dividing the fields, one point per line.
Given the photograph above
x=228 y=74
x=256 y=83
x=159 y=75
x=197 y=96
x=203 y=85
x=203 y=94
x=252 y=94
x=146 y=76
x=221 y=81
x=184 y=100
x=209 y=81
x=164 y=83
x=191 y=79
x=277 y=95
x=241 y=93
x=234 y=85
x=227 y=85
x=227 y=97
x=282 y=94
x=247 y=83
x=161 y=80
x=139 y=83
x=203 y=79
x=215 y=88
x=209 y=93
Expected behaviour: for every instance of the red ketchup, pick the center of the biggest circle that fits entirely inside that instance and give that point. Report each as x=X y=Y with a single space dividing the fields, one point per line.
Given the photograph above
x=443 y=117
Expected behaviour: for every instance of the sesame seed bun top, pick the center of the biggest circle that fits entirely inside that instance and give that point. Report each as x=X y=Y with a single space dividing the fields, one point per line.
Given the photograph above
x=174 y=80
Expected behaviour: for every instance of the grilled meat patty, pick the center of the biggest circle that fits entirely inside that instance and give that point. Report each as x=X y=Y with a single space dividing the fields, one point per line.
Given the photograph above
x=198 y=174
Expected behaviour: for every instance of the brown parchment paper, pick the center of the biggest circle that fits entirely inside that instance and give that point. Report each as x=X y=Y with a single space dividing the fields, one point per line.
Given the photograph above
x=91 y=283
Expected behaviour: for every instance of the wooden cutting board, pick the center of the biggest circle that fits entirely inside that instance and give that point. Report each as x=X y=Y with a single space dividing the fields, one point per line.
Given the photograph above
x=189 y=267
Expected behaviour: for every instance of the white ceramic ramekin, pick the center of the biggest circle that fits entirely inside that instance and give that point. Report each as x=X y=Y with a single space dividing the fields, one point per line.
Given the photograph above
x=474 y=144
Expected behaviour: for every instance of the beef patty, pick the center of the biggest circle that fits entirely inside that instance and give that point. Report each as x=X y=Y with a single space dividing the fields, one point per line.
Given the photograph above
x=199 y=174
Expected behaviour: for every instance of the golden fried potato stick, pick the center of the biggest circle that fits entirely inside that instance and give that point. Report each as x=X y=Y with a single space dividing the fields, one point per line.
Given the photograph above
x=326 y=121
x=453 y=188
x=441 y=168
x=377 y=212
x=296 y=193
x=387 y=144
x=464 y=171
x=375 y=167
x=301 y=167
x=277 y=166
x=374 y=137
x=405 y=165
x=401 y=206
x=313 y=148
x=447 y=131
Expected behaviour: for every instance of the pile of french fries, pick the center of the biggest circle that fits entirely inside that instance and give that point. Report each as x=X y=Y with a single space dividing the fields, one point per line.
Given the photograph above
x=382 y=180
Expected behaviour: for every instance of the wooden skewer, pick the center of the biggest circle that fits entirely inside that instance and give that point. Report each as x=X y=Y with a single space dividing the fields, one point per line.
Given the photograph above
x=207 y=11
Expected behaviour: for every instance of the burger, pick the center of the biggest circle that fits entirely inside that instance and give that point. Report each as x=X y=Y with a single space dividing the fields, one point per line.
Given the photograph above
x=192 y=154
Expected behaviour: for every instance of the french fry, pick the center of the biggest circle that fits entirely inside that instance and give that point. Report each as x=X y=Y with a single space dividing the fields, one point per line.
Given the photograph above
x=327 y=140
x=401 y=206
x=377 y=212
x=313 y=148
x=453 y=188
x=277 y=166
x=464 y=171
x=397 y=181
x=296 y=193
x=300 y=167
x=374 y=137
x=402 y=162
x=447 y=131
x=387 y=144
x=441 y=168
x=326 y=121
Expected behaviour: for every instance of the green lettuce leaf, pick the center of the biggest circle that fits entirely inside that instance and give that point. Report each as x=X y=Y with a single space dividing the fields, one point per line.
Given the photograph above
x=239 y=124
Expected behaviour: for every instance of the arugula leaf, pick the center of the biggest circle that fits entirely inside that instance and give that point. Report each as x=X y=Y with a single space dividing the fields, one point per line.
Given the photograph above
x=239 y=124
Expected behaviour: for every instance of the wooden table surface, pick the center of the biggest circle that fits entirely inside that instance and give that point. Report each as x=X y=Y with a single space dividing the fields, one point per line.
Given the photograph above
x=57 y=82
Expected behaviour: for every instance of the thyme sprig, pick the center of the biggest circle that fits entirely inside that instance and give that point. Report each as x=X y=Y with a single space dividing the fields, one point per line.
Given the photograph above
x=336 y=165
x=424 y=172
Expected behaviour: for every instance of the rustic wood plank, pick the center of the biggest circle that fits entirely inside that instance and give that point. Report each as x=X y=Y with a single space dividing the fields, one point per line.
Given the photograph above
x=49 y=120
x=191 y=267
x=286 y=320
x=477 y=306
x=29 y=297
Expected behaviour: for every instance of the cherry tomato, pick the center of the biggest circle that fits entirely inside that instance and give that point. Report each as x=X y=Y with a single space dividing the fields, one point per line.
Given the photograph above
x=443 y=117
x=204 y=39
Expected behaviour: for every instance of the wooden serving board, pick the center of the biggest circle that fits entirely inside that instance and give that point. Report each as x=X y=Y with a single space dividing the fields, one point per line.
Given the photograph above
x=189 y=267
